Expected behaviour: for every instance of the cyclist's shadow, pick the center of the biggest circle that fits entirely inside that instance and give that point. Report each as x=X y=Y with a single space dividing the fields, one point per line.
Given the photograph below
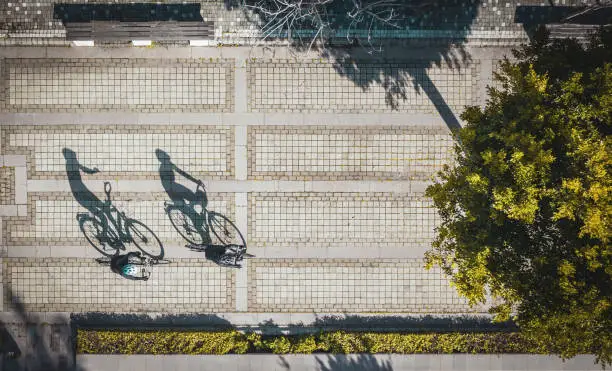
x=202 y=229
x=105 y=232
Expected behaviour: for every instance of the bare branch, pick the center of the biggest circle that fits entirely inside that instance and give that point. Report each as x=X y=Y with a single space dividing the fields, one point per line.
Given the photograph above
x=296 y=16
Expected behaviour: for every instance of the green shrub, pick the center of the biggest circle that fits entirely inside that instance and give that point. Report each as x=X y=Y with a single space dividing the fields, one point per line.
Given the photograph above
x=234 y=342
x=277 y=345
x=306 y=344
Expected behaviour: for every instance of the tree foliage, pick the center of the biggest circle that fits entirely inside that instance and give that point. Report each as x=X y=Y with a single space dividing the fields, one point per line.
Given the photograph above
x=526 y=207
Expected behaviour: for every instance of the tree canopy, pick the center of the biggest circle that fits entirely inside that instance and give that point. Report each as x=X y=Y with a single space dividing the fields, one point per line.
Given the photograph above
x=526 y=206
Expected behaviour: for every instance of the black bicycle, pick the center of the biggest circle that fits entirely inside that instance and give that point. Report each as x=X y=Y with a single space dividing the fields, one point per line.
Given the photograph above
x=227 y=256
x=108 y=234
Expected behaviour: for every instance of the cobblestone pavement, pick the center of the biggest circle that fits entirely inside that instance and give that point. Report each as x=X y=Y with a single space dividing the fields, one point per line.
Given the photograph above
x=326 y=285
x=322 y=177
x=347 y=153
x=185 y=285
x=317 y=87
x=142 y=85
x=122 y=151
x=7 y=185
x=52 y=217
x=330 y=219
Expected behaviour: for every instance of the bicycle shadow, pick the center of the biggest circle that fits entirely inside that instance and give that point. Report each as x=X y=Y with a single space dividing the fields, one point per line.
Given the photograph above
x=204 y=230
x=107 y=233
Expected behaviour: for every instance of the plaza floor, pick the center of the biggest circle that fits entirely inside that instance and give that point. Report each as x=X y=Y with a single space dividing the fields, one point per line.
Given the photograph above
x=322 y=171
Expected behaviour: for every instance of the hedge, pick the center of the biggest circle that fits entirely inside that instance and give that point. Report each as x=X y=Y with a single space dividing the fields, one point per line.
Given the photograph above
x=234 y=342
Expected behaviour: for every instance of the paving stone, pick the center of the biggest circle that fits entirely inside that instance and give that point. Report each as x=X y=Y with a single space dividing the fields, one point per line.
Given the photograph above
x=347 y=153
x=350 y=285
x=143 y=85
x=340 y=219
x=52 y=217
x=123 y=151
x=321 y=86
x=7 y=185
x=70 y=284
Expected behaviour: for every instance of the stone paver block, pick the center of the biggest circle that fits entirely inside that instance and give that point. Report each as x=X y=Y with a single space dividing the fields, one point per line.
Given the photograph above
x=350 y=285
x=123 y=151
x=321 y=86
x=7 y=185
x=143 y=85
x=340 y=219
x=52 y=217
x=347 y=153
x=82 y=285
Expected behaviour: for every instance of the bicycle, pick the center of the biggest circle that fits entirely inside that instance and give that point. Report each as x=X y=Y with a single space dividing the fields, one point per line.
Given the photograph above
x=231 y=255
x=146 y=261
x=109 y=238
x=195 y=226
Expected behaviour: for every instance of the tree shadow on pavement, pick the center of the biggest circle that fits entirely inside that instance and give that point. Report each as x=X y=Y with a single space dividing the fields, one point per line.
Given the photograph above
x=398 y=57
x=44 y=346
x=531 y=17
x=352 y=362
x=388 y=323
x=134 y=12
x=108 y=320
x=425 y=323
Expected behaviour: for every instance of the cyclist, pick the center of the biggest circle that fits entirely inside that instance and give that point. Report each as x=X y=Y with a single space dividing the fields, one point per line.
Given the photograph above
x=229 y=255
x=130 y=266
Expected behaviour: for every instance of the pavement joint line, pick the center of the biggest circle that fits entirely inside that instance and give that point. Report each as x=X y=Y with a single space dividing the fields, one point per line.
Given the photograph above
x=226 y=119
x=486 y=79
x=1 y=272
x=242 y=283
x=240 y=86
x=240 y=151
x=242 y=186
x=240 y=52
x=8 y=210
x=180 y=251
x=21 y=185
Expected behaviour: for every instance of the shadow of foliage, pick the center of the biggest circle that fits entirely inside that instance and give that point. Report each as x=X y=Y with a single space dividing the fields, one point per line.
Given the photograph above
x=352 y=362
x=135 y=12
x=109 y=321
x=426 y=323
x=388 y=323
x=393 y=55
x=48 y=347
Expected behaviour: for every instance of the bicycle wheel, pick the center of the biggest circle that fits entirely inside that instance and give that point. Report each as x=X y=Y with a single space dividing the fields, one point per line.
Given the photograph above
x=93 y=231
x=144 y=239
x=185 y=226
x=225 y=230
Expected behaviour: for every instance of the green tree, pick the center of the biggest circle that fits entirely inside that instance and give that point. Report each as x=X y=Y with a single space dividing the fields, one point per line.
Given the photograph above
x=526 y=206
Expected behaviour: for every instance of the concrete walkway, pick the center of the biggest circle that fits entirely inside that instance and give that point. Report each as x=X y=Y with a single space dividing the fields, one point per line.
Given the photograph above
x=335 y=362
